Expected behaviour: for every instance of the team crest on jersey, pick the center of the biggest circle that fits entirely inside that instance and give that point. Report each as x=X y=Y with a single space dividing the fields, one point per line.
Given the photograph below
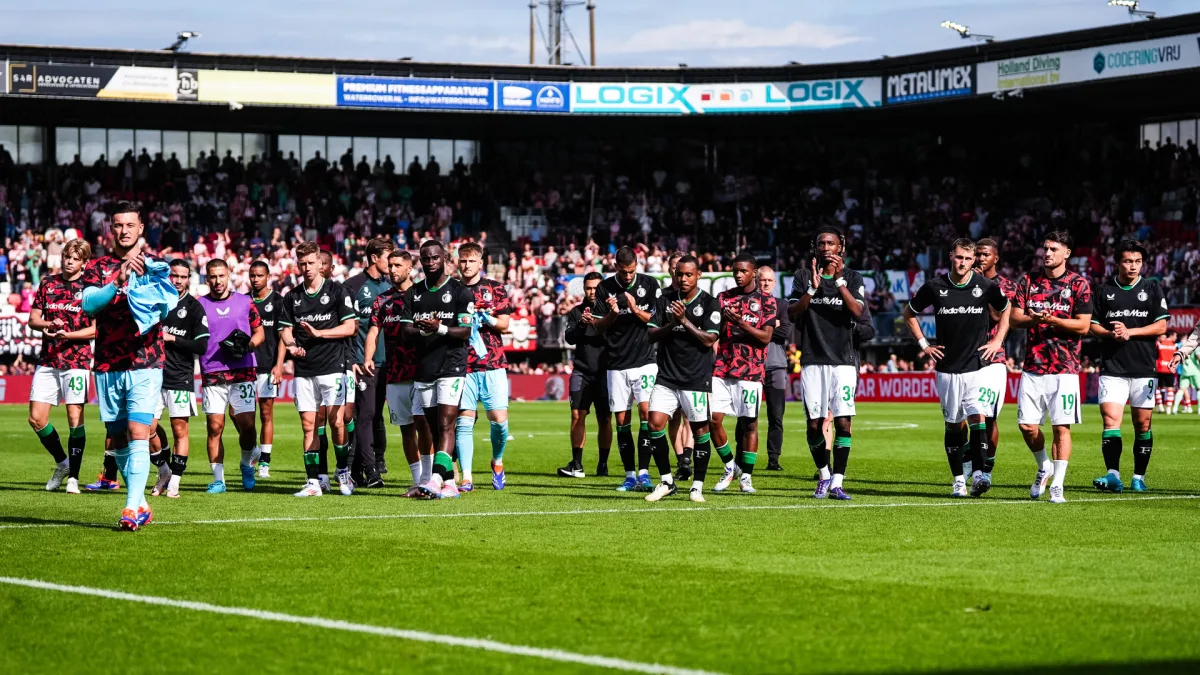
x=977 y=291
x=641 y=292
x=715 y=317
x=754 y=306
x=181 y=313
x=487 y=296
x=1142 y=296
x=698 y=311
x=446 y=297
x=268 y=308
x=324 y=299
x=1066 y=293
x=78 y=295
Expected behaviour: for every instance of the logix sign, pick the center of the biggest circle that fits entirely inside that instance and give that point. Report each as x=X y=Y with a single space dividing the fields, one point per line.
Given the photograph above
x=682 y=99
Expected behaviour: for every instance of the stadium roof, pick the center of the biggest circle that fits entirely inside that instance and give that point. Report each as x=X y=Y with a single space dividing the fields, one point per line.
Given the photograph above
x=1141 y=30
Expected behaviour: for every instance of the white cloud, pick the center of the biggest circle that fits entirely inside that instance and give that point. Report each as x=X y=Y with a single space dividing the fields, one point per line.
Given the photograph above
x=734 y=34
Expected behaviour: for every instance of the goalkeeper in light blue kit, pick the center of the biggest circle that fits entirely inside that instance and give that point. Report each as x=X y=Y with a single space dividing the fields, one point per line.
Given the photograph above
x=128 y=293
x=487 y=369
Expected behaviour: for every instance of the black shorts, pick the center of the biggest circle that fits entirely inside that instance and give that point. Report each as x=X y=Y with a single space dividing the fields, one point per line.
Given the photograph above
x=589 y=390
x=1166 y=380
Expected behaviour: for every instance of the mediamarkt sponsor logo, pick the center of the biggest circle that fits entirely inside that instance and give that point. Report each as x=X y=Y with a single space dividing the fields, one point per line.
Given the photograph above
x=1139 y=313
x=64 y=307
x=826 y=301
x=1040 y=306
x=314 y=317
x=960 y=310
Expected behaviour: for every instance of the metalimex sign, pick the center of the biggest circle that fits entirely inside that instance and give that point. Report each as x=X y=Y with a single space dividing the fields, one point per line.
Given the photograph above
x=930 y=85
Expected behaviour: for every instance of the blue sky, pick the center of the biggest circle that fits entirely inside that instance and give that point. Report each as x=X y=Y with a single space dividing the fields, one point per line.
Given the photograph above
x=629 y=32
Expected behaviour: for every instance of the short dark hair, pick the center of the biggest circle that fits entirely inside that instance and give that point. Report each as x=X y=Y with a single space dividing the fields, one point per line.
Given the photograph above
x=432 y=242
x=626 y=257
x=963 y=242
x=125 y=206
x=180 y=262
x=676 y=257
x=401 y=254
x=469 y=248
x=379 y=246
x=213 y=264
x=745 y=258
x=593 y=276
x=1131 y=246
x=306 y=248
x=687 y=260
x=1060 y=237
x=829 y=229
x=262 y=264
x=986 y=243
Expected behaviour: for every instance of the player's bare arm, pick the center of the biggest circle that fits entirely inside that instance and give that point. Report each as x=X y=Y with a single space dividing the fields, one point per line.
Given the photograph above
x=996 y=344
x=369 y=350
x=927 y=350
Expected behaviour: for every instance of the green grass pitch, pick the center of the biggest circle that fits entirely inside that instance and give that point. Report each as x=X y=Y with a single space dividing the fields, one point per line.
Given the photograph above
x=902 y=579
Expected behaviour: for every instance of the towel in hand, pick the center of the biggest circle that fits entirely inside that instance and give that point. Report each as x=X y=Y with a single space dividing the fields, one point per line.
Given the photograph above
x=151 y=296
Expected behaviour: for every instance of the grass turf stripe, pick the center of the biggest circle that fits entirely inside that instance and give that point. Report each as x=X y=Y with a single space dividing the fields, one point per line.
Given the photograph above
x=335 y=624
x=585 y=512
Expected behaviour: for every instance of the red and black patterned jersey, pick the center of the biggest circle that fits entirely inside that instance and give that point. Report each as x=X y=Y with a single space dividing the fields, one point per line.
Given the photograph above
x=58 y=298
x=400 y=360
x=119 y=346
x=1009 y=289
x=738 y=355
x=490 y=297
x=236 y=375
x=1049 y=350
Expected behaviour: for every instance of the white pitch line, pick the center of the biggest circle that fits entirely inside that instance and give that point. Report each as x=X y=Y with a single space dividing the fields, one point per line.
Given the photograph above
x=334 y=624
x=586 y=512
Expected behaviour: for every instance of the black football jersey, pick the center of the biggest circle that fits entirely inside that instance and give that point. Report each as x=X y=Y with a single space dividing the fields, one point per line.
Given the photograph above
x=826 y=331
x=589 y=345
x=453 y=304
x=269 y=309
x=683 y=363
x=627 y=341
x=1136 y=306
x=962 y=317
x=188 y=321
x=325 y=309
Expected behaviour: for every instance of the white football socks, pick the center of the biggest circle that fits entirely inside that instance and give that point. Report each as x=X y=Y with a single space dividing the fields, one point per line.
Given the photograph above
x=1060 y=472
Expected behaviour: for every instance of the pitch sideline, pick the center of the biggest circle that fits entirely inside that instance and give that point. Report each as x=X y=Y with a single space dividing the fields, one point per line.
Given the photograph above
x=585 y=512
x=335 y=624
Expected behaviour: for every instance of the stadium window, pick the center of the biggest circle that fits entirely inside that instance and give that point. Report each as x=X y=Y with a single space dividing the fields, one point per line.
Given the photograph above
x=176 y=142
x=30 y=145
x=120 y=141
x=66 y=145
x=443 y=151
x=368 y=147
x=8 y=138
x=198 y=142
x=148 y=139
x=414 y=147
x=1150 y=134
x=338 y=145
x=289 y=144
x=1187 y=132
x=310 y=146
x=254 y=144
x=394 y=148
x=1169 y=131
x=227 y=142
x=92 y=144
x=468 y=150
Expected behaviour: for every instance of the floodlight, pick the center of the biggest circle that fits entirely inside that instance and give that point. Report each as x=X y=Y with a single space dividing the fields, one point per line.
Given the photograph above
x=1132 y=6
x=965 y=31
